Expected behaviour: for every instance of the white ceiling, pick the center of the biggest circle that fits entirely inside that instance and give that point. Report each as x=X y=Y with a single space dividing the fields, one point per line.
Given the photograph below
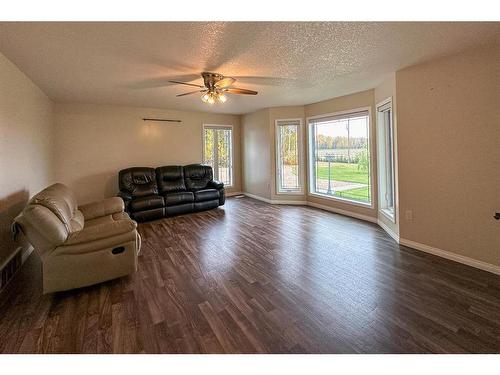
x=288 y=63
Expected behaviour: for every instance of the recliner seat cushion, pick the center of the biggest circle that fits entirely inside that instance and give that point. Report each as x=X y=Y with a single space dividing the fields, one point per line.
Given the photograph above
x=170 y=179
x=172 y=199
x=206 y=195
x=138 y=181
x=146 y=203
x=197 y=176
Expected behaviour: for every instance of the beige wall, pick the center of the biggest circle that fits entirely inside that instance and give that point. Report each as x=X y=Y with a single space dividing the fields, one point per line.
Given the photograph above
x=387 y=89
x=282 y=113
x=344 y=103
x=25 y=147
x=256 y=146
x=93 y=142
x=449 y=153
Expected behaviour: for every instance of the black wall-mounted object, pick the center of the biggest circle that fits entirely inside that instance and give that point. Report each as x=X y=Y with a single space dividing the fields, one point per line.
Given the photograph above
x=497 y=216
x=161 y=119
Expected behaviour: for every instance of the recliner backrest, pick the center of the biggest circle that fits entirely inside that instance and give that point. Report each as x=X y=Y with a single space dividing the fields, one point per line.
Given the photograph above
x=138 y=181
x=170 y=178
x=49 y=217
x=197 y=176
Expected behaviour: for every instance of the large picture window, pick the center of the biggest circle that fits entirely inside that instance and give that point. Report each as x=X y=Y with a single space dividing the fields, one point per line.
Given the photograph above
x=218 y=151
x=288 y=173
x=339 y=156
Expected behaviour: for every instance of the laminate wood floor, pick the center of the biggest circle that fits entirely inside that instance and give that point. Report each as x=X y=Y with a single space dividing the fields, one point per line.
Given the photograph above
x=258 y=278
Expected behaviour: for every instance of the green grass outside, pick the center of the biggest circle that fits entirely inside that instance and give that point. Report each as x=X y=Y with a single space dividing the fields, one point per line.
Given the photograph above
x=349 y=173
x=342 y=172
x=359 y=194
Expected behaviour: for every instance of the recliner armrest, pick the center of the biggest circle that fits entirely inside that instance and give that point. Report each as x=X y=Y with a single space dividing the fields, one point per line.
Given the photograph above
x=214 y=184
x=108 y=206
x=98 y=232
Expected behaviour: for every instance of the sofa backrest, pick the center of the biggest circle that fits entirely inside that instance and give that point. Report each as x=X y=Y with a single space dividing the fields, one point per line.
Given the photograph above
x=197 y=176
x=138 y=181
x=170 y=178
x=49 y=217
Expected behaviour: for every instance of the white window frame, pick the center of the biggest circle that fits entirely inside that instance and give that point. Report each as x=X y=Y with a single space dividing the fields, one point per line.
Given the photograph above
x=310 y=166
x=300 y=156
x=225 y=127
x=382 y=175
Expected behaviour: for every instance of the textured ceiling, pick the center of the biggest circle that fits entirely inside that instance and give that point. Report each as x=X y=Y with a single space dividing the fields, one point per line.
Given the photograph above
x=288 y=63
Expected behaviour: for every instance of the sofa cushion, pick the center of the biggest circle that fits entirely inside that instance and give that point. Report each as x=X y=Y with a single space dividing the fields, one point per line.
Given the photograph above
x=206 y=195
x=197 y=176
x=170 y=178
x=146 y=203
x=172 y=199
x=138 y=181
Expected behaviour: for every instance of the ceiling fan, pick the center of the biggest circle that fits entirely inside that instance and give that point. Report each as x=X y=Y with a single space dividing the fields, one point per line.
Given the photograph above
x=215 y=87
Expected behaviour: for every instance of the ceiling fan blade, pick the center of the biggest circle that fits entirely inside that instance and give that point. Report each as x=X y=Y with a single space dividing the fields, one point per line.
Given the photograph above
x=191 y=92
x=240 y=91
x=185 y=83
x=225 y=82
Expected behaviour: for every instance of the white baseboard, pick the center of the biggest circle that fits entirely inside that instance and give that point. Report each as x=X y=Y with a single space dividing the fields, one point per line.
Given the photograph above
x=451 y=256
x=258 y=197
x=293 y=203
x=275 y=201
x=234 y=193
x=388 y=230
x=344 y=212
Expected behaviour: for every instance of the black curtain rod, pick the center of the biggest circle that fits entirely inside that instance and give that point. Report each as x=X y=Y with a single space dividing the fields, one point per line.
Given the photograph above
x=160 y=119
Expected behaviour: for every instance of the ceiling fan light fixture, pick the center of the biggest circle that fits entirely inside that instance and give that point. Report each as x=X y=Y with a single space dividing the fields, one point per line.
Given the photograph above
x=222 y=98
x=205 y=97
x=215 y=88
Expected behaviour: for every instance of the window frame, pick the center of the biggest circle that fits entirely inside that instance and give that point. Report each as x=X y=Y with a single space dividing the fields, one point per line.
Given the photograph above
x=223 y=127
x=299 y=157
x=310 y=164
x=382 y=178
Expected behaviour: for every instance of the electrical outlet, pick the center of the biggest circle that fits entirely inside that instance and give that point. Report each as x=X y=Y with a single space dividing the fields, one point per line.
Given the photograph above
x=409 y=215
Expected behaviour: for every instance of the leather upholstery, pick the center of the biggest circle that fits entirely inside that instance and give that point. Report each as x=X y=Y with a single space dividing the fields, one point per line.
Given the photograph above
x=179 y=209
x=138 y=182
x=214 y=184
x=154 y=214
x=146 y=203
x=207 y=205
x=206 y=195
x=170 y=179
x=100 y=209
x=197 y=176
x=76 y=243
x=181 y=197
x=174 y=191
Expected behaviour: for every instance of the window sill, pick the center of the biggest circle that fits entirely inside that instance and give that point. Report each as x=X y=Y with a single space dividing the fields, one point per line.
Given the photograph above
x=388 y=214
x=289 y=193
x=342 y=200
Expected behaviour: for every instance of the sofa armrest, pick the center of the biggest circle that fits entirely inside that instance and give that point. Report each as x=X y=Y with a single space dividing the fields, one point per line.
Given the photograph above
x=108 y=206
x=98 y=232
x=214 y=184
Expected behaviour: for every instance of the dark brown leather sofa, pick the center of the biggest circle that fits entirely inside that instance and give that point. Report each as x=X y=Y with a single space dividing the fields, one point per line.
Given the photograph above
x=151 y=193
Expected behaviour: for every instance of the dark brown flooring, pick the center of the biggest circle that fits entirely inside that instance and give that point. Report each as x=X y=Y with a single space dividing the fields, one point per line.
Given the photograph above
x=267 y=279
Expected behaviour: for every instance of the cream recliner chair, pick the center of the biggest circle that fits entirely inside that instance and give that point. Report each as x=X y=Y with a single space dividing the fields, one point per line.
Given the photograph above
x=79 y=246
